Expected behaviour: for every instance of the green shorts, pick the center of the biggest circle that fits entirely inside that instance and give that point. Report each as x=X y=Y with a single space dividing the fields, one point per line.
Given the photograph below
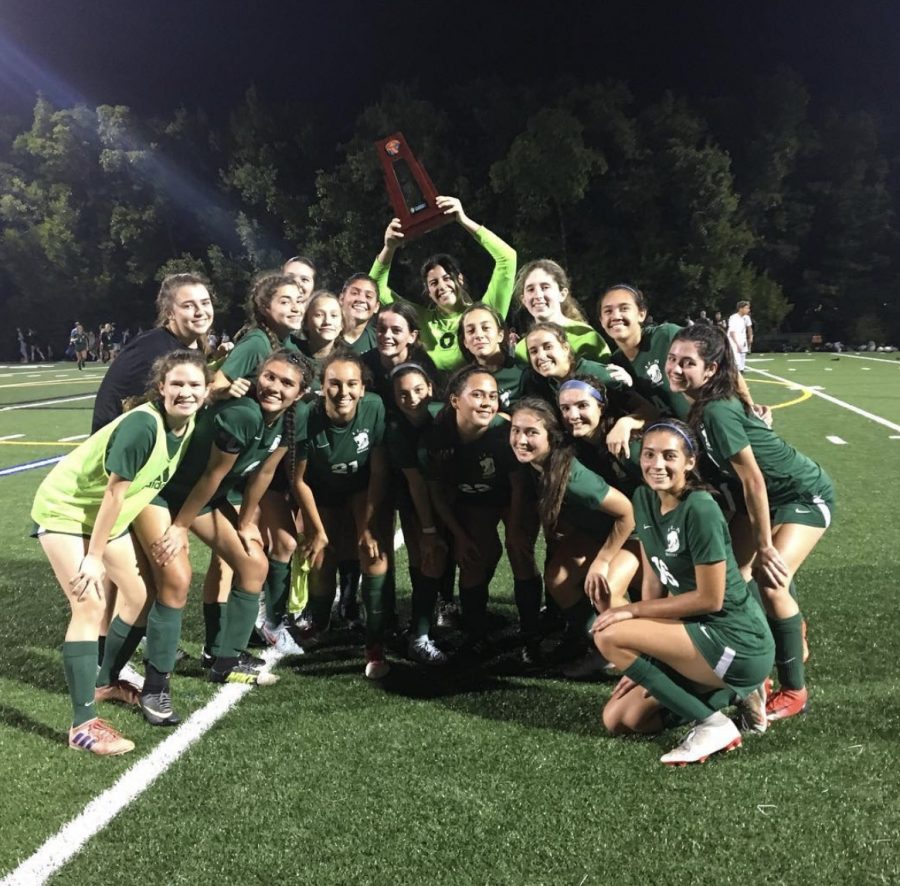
x=741 y=670
x=817 y=511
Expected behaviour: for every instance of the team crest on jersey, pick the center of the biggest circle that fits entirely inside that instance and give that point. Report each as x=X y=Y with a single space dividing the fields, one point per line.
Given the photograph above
x=488 y=468
x=361 y=440
x=654 y=373
x=275 y=443
x=673 y=542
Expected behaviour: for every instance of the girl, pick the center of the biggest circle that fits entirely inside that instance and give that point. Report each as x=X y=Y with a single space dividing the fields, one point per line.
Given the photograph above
x=543 y=288
x=553 y=359
x=788 y=498
x=397 y=336
x=83 y=509
x=585 y=520
x=426 y=547
x=445 y=286
x=705 y=644
x=339 y=482
x=359 y=302
x=483 y=340
x=236 y=441
x=184 y=309
x=474 y=484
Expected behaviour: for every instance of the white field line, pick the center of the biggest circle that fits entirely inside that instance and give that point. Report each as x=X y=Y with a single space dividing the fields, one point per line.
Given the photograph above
x=68 y=841
x=47 y=402
x=873 y=359
x=11 y=436
x=836 y=440
x=73 y=437
x=869 y=415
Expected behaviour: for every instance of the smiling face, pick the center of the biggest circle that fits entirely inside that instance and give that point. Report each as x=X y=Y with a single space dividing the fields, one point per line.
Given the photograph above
x=621 y=318
x=686 y=370
x=304 y=276
x=394 y=336
x=285 y=310
x=323 y=321
x=442 y=289
x=542 y=296
x=191 y=313
x=278 y=387
x=359 y=302
x=580 y=411
x=183 y=392
x=412 y=393
x=529 y=438
x=478 y=402
x=343 y=387
x=664 y=464
x=482 y=336
x=548 y=356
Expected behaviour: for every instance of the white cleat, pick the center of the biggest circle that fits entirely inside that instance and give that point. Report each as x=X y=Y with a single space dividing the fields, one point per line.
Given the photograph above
x=714 y=734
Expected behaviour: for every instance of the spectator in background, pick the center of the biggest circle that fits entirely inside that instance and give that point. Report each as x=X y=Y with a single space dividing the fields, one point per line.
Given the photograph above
x=740 y=333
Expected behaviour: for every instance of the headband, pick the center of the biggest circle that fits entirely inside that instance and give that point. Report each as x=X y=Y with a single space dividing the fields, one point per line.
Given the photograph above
x=573 y=384
x=676 y=429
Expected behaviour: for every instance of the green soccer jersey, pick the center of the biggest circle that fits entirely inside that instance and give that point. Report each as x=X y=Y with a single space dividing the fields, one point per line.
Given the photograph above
x=584 y=340
x=726 y=429
x=338 y=458
x=511 y=379
x=233 y=426
x=648 y=369
x=137 y=446
x=479 y=470
x=438 y=331
x=695 y=534
x=244 y=359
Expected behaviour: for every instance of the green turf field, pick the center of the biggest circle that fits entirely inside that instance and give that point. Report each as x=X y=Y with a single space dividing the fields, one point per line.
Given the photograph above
x=484 y=776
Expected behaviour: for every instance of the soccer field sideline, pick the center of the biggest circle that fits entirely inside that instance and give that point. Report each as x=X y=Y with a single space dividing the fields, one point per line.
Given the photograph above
x=37 y=864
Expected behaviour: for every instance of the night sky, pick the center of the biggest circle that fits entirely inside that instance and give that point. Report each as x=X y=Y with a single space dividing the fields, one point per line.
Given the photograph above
x=332 y=58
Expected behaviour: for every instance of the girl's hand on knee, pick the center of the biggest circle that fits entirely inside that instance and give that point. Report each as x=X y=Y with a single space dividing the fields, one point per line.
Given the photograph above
x=165 y=549
x=610 y=617
x=89 y=578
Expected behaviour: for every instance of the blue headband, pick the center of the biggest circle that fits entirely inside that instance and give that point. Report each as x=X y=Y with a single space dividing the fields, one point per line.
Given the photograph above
x=676 y=429
x=573 y=384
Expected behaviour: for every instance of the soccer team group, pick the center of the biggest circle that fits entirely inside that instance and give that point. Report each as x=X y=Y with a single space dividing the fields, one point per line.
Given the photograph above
x=675 y=518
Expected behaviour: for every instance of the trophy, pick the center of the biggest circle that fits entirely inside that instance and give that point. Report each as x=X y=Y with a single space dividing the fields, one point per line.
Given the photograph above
x=410 y=189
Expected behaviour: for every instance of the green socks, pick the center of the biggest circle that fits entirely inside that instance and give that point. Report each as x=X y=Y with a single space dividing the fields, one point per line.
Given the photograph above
x=80 y=666
x=163 y=634
x=213 y=623
x=241 y=611
x=666 y=691
x=120 y=644
x=788 y=634
x=373 y=600
x=277 y=589
x=527 y=593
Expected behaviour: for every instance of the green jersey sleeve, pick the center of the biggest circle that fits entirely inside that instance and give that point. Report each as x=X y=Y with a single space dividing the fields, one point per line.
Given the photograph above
x=130 y=445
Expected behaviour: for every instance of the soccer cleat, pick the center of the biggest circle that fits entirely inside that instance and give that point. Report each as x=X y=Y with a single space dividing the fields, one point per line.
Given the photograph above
x=447 y=615
x=376 y=666
x=591 y=664
x=284 y=638
x=245 y=674
x=99 y=737
x=715 y=733
x=207 y=659
x=426 y=652
x=132 y=675
x=157 y=708
x=119 y=690
x=752 y=710
x=787 y=703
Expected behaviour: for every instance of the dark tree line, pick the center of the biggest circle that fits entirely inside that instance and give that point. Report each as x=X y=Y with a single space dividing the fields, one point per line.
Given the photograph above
x=699 y=203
